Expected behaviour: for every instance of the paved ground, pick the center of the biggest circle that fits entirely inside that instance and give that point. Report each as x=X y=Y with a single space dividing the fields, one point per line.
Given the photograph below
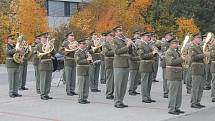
x=64 y=108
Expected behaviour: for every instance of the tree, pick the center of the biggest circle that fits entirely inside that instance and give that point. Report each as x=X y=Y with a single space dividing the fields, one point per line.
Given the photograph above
x=202 y=12
x=103 y=15
x=30 y=18
x=161 y=18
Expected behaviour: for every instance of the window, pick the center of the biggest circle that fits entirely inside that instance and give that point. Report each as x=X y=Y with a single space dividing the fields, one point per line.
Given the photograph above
x=56 y=8
x=61 y=9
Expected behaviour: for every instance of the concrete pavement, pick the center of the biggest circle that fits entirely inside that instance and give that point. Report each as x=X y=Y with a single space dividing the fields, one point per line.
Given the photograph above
x=30 y=107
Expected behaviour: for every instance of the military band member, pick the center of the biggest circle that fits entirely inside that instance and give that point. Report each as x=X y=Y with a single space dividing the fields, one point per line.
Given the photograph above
x=102 y=65
x=121 y=66
x=164 y=47
x=23 y=70
x=35 y=60
x=197 y=66
x=156 y=58
x=174 y=76
x=147 y=54
x=45 y=65
x=95 y=66
x=134 y=62
x=70 y=46
x=188 y=75
x=83 y=59
x=212 y=69
x=12 y=66
x=109 y=55
x=208 y=75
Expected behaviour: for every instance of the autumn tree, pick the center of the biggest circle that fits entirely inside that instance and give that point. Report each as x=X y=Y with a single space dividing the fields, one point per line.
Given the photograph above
x=30 y=18
x=103 y=15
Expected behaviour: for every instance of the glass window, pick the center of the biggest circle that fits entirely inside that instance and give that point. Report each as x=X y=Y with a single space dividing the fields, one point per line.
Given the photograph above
x=56 y=8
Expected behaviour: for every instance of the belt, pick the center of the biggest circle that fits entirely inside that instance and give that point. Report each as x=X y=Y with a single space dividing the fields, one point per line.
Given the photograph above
x=9 y=58
x=43 y=60
x=146 y=60
x=174 y=67
x=70 y=58
x=123 y=55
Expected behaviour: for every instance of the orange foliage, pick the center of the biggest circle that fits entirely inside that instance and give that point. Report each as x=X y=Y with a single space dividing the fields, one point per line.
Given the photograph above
x=30 y=18
x=186 y=26
x=103 y=15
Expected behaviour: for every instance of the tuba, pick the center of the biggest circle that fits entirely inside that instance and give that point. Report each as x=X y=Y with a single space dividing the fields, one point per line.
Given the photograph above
x=205 y=47
x=47 y=48
x=21 y=44
x=184 y=51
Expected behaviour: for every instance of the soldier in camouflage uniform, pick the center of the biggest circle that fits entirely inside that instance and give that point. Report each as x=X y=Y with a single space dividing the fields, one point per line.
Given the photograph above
x=174 y=76
x=12 y=67
x=83 y=59
x=197 y=56
x=164 y=47
x=69 y=63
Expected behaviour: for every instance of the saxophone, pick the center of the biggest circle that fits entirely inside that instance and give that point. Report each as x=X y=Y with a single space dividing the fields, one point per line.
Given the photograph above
x=184 y=51
x=47 y=48
x=205 y=47
x=21 y=44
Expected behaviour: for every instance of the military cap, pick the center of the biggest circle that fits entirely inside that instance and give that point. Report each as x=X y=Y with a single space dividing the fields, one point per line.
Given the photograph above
x=197 y=35
x=42 y=34
x=69 y=34
x=104 y=34
x=204 y=35
x=92 y=33
x=117 y=28
x=168 y=32
x=146 y=33
x=173 y=40
x=82 y=39
x=11 y=36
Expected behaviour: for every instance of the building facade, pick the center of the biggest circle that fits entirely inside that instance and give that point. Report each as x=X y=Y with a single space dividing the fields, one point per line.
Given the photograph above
x=60 y=11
